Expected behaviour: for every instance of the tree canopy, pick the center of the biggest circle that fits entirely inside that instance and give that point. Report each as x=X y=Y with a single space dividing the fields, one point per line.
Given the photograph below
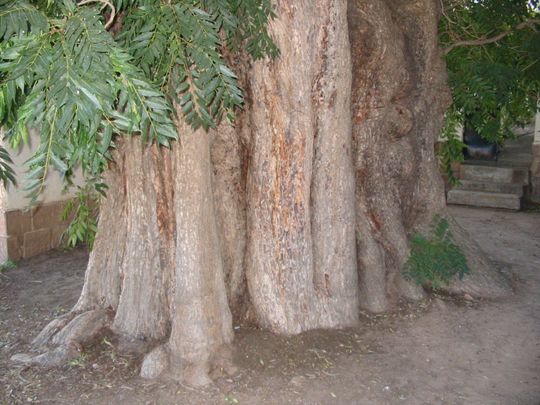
x=492 y=53
x=84 y=72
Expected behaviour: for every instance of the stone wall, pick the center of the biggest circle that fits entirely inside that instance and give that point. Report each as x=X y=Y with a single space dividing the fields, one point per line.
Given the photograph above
x=28 y=232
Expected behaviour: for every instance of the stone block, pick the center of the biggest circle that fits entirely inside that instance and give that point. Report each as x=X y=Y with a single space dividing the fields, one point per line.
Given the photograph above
x=48 y=215
x=4 y=255
x=506 y=188
x=36 y=242
x=534 y=195
x=484 y=199
x=18 y=222
x=14 y=248
x=494 y=174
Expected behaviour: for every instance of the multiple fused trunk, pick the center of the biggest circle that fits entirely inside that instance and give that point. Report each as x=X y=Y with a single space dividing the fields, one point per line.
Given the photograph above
x=292 y=219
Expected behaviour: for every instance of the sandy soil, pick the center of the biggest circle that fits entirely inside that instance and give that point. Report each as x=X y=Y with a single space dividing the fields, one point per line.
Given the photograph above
x=440 y=351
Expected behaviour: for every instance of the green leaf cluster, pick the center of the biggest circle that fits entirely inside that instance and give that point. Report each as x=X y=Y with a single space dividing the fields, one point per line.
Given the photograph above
x=452 y=149
x=495 y=85
x=82 y=213
x=181 y=46
x=79 y=84
x=435 y=259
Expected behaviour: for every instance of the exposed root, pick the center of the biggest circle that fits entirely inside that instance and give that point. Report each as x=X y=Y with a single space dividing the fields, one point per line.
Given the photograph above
x=66 y=336
x=155 y=363
x=488 y=284
x=52 y=358
x=52 y=329
x=222 y=363
x=409 y=290
x=84 y=328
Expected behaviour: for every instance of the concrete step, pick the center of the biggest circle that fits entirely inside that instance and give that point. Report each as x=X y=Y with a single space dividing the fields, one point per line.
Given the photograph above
x=490 y=187
x=493 y=174
x=518 y=160
x=484 y=199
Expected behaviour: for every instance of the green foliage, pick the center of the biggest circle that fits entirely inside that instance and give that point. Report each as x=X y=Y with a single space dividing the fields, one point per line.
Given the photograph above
x=79 y=84
x=63 y=73
x=452 y=149
x=7 y=175
x=435 y=259
x=493 y=58
x=68 y=79
x=82 y=212
x=7 y=265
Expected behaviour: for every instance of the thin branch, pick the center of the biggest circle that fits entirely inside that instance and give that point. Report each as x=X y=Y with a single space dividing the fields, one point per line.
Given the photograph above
x=106 y=3
x=484 y=41
x=444 y=13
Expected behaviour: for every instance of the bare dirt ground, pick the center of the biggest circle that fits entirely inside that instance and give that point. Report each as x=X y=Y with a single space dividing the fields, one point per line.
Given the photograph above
x=441 y=351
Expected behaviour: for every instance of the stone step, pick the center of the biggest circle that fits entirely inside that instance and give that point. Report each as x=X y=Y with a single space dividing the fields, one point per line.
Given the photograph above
x=493 y=174
x=490 y=187
x=484 y=199
x=516 y=161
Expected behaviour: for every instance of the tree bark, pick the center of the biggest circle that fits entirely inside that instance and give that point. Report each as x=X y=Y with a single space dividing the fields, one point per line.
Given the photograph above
x=301 y=264
x=399 y=99
x=293 y=218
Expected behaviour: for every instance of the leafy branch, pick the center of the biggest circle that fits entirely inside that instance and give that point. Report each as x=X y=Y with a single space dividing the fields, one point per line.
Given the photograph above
x=492 y=52
x=68 y=81
x=484 y=40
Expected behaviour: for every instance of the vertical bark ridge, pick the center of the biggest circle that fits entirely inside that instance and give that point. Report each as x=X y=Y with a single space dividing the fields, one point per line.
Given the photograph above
x=279 y=260
x=294 y=209
x=102 y=282
x=332 y=185
x=227 y=156
x=429 y=98
x=202 y=321
x=163 y=159
x=142 y=311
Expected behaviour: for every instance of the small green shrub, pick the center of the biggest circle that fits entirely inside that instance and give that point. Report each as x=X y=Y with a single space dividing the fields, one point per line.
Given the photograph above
x=434 y=260
x=7 y=265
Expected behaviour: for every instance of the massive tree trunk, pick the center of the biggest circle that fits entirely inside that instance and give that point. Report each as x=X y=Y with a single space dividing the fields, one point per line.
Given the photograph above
x=300 y=262
x=399 y=99
x=292 y=219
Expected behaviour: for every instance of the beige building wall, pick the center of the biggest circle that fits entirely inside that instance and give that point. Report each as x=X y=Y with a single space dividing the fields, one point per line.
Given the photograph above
x=28 y=231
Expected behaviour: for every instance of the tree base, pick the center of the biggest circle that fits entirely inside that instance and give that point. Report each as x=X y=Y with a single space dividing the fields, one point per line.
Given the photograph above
x=162 y=362
x=65 y=338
